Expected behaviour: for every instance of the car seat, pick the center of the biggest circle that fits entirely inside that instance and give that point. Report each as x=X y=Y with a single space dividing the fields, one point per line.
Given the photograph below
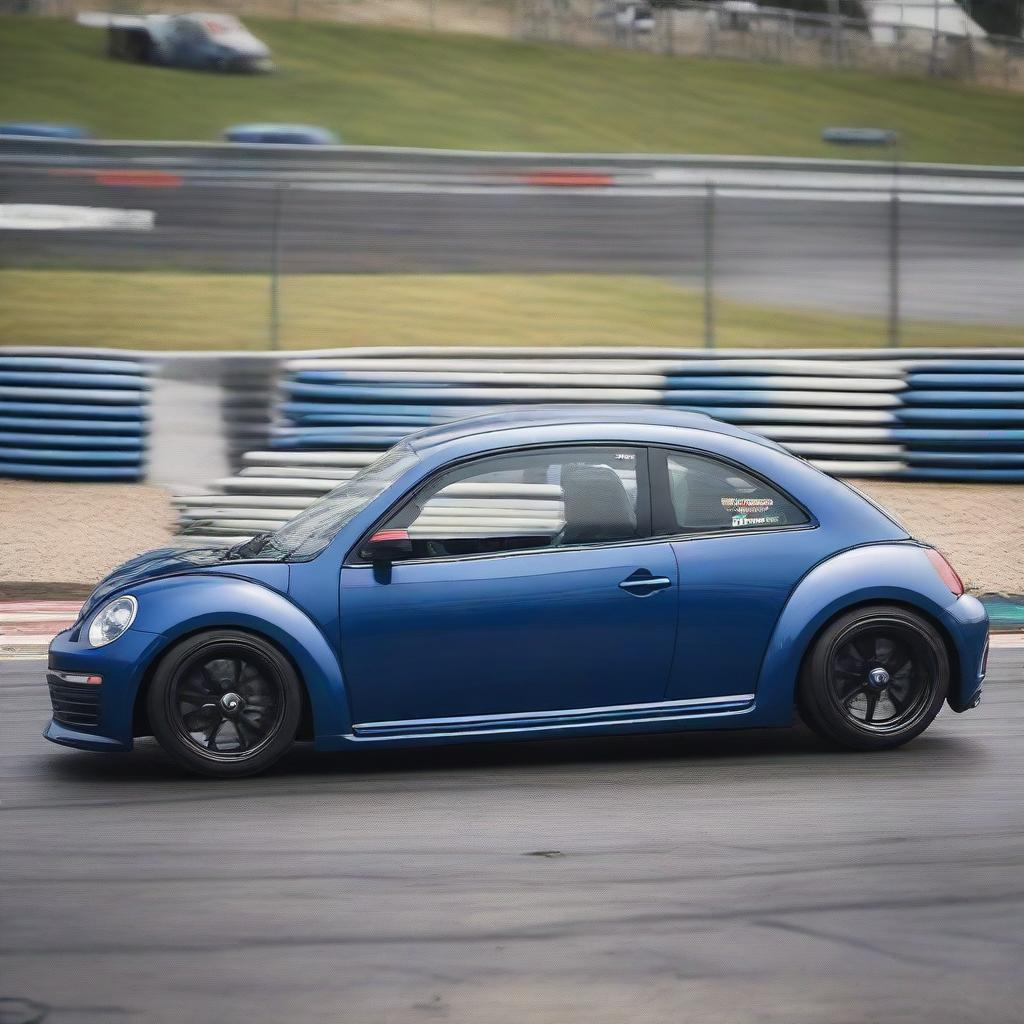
x=596 y=505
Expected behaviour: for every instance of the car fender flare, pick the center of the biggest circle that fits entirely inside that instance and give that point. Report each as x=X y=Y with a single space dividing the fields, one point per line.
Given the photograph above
x=179 y=606
x=883 y=572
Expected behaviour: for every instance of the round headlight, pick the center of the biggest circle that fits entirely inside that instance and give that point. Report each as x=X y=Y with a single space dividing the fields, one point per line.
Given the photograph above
x=112 y=620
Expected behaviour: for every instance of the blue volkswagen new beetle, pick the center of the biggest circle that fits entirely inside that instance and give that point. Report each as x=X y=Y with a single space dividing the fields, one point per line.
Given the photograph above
x=545 y=572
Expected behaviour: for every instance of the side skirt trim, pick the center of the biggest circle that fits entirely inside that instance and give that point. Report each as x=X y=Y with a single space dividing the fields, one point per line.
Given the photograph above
x=573 y=718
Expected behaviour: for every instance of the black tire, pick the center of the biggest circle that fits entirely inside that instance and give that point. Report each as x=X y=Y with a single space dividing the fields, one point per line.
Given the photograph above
x=874 y=679
x=225 y=703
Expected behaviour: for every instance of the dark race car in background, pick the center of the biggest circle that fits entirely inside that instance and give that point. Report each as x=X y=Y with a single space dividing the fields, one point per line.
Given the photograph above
x=203 y=42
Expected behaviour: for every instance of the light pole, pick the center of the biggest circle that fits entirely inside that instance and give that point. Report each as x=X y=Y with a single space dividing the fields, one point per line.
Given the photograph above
x=889 y=139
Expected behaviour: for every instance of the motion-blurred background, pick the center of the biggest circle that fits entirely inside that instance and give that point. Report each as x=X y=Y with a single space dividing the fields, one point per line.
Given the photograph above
x=242 y=249
x=622 y=248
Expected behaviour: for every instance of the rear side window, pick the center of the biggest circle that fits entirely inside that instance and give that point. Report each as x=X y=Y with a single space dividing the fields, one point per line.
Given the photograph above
x=707 y=495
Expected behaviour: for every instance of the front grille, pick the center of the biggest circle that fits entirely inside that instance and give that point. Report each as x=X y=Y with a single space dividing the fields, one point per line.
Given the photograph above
x=74 y=704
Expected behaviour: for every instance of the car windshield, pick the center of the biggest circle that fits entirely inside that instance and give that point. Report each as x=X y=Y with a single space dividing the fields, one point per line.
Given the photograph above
x=311 y=531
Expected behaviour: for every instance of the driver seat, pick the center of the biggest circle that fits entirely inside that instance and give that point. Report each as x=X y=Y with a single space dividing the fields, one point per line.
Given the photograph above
x=597 y=506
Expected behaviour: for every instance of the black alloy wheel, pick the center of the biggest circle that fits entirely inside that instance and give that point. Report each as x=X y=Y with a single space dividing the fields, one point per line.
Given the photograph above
x=875 y=678
x=225 y=703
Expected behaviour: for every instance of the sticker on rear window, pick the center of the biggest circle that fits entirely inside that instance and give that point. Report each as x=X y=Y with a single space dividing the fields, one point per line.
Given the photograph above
x=747 y=503
x=745 y=519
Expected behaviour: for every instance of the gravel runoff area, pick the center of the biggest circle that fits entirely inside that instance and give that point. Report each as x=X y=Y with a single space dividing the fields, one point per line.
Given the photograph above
x=72 y=534
x=54 y=533
x=979 y=527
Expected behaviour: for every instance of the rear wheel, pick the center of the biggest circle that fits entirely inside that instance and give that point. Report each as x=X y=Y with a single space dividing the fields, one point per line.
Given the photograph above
x=875 y=678
x=225 y=703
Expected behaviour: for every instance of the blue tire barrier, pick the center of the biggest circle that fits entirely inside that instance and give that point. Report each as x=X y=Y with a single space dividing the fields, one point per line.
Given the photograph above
x=9 y=441
x=920 y=415
x=876 y=408
x=77 y=415
x=100 y=412
x=965 y=381
x=966 y=460
x=336 y=419
x=974 y=365
x=84 y=474
x=68 y=365
x=979 y=397
x=127 y=382
x=914 y=414
x=98 y=396
x=308 y=411
x=966 y=417
x=126 y=428
x=80 y=457
x=765 y=383
x=353 y=437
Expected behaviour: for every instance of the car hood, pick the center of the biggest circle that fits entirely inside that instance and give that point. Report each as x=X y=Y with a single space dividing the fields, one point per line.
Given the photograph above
x=150 y=566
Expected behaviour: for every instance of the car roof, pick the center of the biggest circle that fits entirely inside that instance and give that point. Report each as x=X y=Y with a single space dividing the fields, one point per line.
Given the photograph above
x=44 y=129
x=314 y=134
x=517 y=418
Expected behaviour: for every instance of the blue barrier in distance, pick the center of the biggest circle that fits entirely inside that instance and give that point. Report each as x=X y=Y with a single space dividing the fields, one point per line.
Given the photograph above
x=73 y=416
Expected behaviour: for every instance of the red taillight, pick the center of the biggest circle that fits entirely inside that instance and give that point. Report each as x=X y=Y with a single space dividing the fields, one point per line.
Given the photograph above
x=946 y=572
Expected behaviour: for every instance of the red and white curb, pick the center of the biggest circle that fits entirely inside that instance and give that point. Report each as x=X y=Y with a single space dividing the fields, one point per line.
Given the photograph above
x=27 y=627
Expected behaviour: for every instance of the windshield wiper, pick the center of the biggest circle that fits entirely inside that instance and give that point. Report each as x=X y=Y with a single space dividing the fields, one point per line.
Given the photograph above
x=250 y=547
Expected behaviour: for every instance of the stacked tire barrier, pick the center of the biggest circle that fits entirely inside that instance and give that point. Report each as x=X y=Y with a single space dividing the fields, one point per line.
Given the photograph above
x=963 y=419
x=268 y=490
x=927 y=415
x=73 y=415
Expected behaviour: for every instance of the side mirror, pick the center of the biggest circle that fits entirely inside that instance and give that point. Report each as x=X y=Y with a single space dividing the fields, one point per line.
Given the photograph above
x=386 y=546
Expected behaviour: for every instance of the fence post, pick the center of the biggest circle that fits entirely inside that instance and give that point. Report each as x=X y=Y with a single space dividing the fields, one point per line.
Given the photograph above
x=836 y=29
x=933 y=59
x=894 y=259
x=275 y=263
x=709 y=265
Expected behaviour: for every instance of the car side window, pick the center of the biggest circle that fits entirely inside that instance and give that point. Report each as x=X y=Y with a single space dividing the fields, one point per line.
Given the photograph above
x=708 y=495
x=547 y=498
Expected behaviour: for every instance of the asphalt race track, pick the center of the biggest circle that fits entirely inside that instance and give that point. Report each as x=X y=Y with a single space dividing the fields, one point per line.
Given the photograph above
x=959 y=260
x=715 y=878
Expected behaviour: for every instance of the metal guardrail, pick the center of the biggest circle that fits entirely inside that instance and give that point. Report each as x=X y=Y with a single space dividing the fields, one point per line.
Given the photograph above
x=73 y=415
x=919 y=415
x=908 y=247
x=379 y=162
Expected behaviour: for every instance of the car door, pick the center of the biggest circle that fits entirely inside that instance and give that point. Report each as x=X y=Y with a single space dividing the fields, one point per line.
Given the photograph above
x=532 y=587
x=742 y=545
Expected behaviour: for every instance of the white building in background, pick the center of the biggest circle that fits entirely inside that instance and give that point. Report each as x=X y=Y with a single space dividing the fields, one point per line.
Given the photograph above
x=918 y=20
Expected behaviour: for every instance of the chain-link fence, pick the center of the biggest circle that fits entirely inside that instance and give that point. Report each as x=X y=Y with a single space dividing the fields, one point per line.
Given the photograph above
x=916 y=37
x=912 y=37
x=489 y=254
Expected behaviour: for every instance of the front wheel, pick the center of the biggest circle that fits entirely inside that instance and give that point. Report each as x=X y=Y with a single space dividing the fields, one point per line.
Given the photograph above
x=225 y=703
x=875 y=678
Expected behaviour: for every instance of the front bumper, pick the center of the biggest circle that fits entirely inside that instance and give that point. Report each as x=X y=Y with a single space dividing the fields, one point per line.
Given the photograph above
x=967 y=623
x=97 y=716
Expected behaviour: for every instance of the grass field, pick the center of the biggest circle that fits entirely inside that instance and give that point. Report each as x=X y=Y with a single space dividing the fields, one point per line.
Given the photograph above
x=219 y=311
x=392 y=87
